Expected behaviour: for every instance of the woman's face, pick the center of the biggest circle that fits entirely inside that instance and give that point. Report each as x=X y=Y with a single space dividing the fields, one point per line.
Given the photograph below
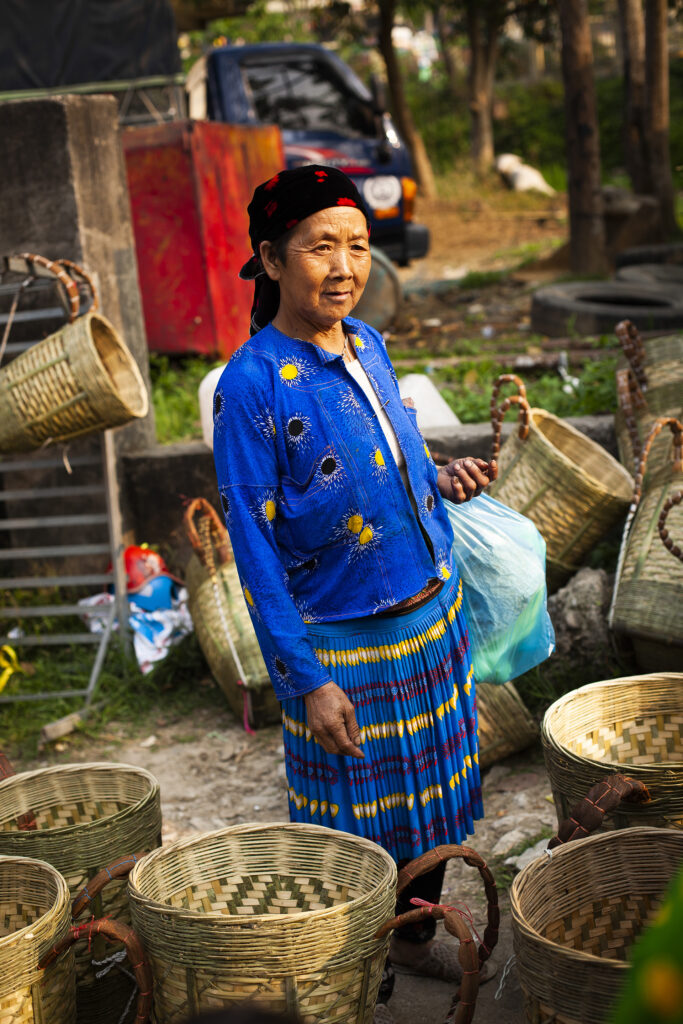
x=327 y=266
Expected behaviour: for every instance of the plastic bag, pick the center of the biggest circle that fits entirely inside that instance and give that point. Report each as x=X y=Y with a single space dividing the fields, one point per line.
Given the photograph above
x=500 y=556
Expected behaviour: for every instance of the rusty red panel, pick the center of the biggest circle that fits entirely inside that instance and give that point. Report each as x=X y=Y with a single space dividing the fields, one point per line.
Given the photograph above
x=190 y=183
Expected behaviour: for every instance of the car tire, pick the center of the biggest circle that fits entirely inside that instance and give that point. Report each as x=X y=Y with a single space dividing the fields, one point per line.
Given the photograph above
x=657 y=274
x=383 y=294
x=666 y=252
x=595 y=307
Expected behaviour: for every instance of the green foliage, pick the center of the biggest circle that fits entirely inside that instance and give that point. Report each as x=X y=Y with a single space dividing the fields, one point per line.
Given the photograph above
x=467 y=389
x=176 y=686
x=174 y=395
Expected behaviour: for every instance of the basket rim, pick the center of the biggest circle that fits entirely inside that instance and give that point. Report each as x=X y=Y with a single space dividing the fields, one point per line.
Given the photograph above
x=549 y=738
x=249 y=921
x=597 y=484
x=62 y=898
x=90 y=766
x=540 y=863
x=132 y=365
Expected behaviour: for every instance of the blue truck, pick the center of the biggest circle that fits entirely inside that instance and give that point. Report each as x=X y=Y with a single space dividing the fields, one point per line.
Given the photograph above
x=326 y=115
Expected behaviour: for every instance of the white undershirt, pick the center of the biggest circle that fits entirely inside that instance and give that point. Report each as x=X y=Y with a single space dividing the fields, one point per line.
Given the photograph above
x=358 y=373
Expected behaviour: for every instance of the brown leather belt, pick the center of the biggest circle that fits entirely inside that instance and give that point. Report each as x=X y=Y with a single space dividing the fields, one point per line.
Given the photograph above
x=416 y=601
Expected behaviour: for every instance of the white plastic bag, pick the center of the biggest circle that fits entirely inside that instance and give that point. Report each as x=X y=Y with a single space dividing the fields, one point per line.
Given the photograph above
x=500 y=556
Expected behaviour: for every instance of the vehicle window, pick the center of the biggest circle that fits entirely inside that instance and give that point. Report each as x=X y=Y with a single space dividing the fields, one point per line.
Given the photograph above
x=305 y=95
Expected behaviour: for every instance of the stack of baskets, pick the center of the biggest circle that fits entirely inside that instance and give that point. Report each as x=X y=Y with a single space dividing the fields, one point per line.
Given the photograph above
x=222 y=621
x=571 y=488
x=577 y=912
x=35 y=915
x=85 y=817
x=79 y=380
x=648 y=593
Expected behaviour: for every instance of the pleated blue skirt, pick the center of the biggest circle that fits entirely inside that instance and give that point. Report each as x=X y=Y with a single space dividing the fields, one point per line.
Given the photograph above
x=410 y=680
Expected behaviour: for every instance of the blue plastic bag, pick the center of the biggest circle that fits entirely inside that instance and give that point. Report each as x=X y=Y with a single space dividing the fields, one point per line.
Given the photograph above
x=500 y=556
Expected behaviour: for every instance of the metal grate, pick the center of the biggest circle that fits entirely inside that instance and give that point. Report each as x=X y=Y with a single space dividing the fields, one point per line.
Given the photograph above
x=60 y=520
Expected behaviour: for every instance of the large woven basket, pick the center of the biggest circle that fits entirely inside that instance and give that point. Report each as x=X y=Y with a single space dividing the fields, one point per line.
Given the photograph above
x=571 y=488
x=35 y=914
x=649 y=385
x=78 y=380
x=283 y=915
x=648 y=595
x=632 y=725
x=85 y=816
x=576 y=914
x=221 y=619
x=505 y=724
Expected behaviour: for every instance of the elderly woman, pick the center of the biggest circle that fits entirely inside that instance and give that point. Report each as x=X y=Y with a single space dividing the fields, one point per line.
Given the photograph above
x=343 y=545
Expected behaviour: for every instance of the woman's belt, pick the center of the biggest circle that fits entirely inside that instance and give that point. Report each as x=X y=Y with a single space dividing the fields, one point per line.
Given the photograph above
x=411 y=604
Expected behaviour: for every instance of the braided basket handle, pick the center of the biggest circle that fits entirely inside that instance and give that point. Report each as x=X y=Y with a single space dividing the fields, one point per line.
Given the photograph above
x=498 y=411
x=120 y=868
x=632 y=346
x=32 y=260
x=25 y=822
x=676 y=428
x=214 y=532
x=673 y=499
x=600 y=800
x=112 y=931
x=630 y=398
x=77 y=271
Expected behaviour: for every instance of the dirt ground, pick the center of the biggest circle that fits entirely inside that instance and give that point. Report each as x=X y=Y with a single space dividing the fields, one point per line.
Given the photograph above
x=212 y=774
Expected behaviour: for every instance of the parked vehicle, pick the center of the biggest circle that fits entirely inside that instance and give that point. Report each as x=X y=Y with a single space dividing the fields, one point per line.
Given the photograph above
x=326 y=115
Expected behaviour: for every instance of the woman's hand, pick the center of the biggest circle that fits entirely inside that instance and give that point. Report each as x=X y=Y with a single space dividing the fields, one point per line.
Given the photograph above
x=332 y=720
x=463 y=479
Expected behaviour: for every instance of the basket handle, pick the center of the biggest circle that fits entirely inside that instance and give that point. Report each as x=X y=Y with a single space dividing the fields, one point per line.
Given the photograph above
x=32 y=260
x=77 y=271
x=120 y=868
x=632 y=346
x=25 y=822
x=498 y=411
x=112 y=931
x=601 y=799
x=676 y=428
x=630 y=397
x=216 y=531
x=673 y=499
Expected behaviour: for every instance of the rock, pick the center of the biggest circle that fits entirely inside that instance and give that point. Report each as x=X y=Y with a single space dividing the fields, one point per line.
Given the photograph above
x=531 y=853
x=579 y=615
x=508 y=841
x=494 y=777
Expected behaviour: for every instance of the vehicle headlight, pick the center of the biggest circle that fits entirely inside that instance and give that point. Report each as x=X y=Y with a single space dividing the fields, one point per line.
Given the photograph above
x=382 y=192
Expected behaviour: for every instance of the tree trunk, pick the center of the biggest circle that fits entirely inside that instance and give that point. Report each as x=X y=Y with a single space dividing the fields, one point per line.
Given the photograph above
x=446 y=52
x=657 y=69
x=404 y=118
x=636 y=144
x=586 y=223
x=483 y=39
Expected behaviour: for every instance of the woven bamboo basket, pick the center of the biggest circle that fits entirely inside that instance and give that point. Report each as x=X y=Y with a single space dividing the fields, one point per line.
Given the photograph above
x=571 y=488
x=505 y=724
x=649 y=385
x=576 y=914
x=221 y=619
x=632 y=725
x=282 y=914
x=85 y=816
x=35 y=914
x=648 y=595
x=78 y=380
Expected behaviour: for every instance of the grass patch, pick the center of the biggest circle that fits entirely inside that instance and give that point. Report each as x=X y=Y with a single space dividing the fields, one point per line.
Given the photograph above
x=174 y=395
x=173 y=689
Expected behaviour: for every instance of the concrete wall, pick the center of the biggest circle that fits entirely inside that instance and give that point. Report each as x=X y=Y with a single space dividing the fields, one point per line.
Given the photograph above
x=64 y=195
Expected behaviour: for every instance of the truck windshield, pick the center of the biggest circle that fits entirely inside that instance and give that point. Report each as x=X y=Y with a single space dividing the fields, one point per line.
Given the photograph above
x=305 y=95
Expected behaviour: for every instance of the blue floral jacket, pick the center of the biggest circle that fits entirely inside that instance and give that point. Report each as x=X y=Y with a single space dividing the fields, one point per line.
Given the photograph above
x=321 y=524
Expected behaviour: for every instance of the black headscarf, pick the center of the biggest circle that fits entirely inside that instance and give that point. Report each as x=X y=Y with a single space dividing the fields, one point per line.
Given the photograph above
x=277 y=206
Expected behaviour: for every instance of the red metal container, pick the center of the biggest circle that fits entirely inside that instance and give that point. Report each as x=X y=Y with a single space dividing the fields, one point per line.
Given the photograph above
x=190 y=183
